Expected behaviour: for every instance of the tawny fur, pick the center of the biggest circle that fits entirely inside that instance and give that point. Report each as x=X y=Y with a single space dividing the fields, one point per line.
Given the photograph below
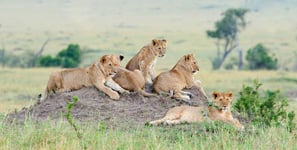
x=190 y=114
x=96 y=75
x=131 y=81
x=146 y=58
x=178 y=78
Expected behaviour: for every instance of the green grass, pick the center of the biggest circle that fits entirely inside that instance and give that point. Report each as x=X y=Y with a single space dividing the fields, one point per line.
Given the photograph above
x=48 y=135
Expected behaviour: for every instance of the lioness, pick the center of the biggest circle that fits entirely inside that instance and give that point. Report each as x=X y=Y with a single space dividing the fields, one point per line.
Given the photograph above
x=96 y=75
x=178 y=78
x=131 y=81
x=220 y=110
x=146 y=59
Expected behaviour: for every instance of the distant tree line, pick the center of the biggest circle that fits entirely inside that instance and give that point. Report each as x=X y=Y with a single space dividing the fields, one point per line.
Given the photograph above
x=66 y=58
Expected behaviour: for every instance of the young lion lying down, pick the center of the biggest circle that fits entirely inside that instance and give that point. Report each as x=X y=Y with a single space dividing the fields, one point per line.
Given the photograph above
x=178 y=78
x=131 y=81
x=98 y=75
x=220 y=111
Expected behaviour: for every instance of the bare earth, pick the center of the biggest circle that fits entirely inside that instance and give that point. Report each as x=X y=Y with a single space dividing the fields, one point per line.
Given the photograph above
x=93 y=105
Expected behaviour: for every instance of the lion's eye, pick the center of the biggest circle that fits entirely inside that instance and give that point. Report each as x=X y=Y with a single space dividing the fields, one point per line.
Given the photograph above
x=194 y=62
x=109 y=64
x=221 y=99
x=159 y=48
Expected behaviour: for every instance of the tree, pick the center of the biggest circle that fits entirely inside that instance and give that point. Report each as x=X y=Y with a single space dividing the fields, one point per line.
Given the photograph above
x=227 y=30
x=258 y=58
x=36 y=56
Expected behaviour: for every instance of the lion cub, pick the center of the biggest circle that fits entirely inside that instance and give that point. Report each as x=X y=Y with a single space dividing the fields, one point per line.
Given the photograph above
x=131 y=81
x=220 y=111
x=178 y=78
x=98 y=75
x=146 y=59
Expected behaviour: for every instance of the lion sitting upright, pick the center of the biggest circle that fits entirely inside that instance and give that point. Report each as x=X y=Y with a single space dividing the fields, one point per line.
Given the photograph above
x=178 y=78
x=220 y=111
x=146 y=58
x=98 y=75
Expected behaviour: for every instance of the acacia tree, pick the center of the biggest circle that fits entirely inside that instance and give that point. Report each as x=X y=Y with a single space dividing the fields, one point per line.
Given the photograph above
x=227 y=30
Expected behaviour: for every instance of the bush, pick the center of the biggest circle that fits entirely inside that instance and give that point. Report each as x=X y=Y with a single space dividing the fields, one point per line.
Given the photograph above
x=268 y=110
x=70 y=56
x=72 y=51
x=258 y=58
x=67 y=58
x=49 y=61
x=69 y=63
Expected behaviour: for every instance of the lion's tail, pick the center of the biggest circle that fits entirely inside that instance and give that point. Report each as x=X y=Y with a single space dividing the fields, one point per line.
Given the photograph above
x=146 y=94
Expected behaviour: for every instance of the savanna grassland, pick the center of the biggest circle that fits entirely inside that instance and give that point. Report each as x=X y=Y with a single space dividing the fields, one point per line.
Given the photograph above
x=123 y=27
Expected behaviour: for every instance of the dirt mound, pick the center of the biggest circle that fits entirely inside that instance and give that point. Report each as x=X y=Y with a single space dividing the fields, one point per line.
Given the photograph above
x=93 y=105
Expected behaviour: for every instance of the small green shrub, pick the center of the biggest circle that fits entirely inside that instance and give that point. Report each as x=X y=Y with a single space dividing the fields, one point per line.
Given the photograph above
x=72 y=123
x=268 y=110
x=258 y=58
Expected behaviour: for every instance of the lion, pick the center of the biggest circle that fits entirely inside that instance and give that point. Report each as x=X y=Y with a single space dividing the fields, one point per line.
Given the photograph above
x=98 y=74
x=146 y=59
x=131 y=81
x=219 y=110
x=178 y=78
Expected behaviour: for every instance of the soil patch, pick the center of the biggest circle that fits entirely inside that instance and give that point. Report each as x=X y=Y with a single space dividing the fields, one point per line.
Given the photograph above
x=93 y=105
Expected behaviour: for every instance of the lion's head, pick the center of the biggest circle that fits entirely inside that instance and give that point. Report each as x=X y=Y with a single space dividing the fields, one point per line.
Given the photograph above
x=189 y=63
x=222 y=100
x=159 y=47
x=111 y=63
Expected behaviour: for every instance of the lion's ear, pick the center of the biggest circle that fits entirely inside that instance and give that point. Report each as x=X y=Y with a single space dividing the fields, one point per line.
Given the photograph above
x=187 y=57
x=121 y=57
x=154 y=41
x=103 y=59
x=215 y=94
x=165 y=41
x=230 y=94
